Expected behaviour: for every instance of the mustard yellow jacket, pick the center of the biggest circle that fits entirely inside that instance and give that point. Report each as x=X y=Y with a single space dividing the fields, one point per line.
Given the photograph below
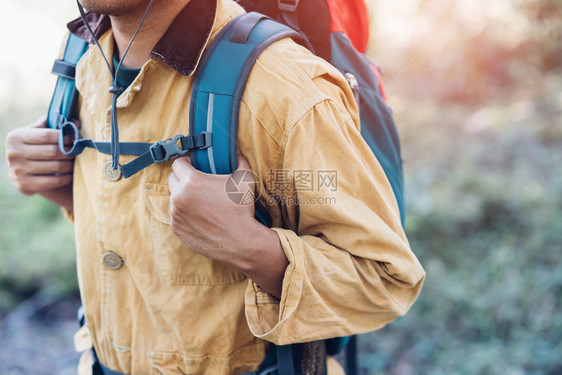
x=153 y=306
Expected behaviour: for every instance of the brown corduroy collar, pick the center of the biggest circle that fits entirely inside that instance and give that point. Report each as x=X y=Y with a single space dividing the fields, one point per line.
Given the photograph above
x=182 y=44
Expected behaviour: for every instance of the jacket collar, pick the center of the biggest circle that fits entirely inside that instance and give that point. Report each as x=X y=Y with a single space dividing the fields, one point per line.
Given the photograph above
x=182 y=44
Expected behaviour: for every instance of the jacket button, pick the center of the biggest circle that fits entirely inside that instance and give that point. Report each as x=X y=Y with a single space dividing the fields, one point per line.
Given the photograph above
x=110 y=173
x=112 y=260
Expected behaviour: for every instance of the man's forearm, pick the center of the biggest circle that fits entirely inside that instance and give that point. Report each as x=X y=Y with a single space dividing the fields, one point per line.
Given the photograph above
x=262 y=258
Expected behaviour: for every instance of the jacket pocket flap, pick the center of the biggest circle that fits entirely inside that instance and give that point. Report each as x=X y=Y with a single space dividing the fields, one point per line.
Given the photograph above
x=157 y=200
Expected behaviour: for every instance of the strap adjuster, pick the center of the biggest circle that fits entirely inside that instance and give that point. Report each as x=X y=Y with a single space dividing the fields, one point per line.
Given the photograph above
x=64 y=69
x=288 y=5
x=68 y=127
x=208 y=140
x=167 y=149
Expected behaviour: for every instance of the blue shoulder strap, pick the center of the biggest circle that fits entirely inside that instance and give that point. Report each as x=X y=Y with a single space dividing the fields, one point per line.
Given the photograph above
x=65 y=95
x=215 y=101
x=219 y=85
x=218 y=88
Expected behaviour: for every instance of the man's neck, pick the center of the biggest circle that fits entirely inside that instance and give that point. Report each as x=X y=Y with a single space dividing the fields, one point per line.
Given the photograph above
x=159 y=18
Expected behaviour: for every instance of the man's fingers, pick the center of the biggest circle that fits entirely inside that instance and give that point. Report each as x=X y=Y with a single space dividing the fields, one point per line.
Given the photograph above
x=243 y=164
x=43 y=152
x=33 y=136
x=244 y=171
x=41 y=122
x=77 y=123
x=40 y=183
x=172 y=182
x=50 y=167
x=68 y=140
x=50 y=182
x=182 y=167
x=41 y=136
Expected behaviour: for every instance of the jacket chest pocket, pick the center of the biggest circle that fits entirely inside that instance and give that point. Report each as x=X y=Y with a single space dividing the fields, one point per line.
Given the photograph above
x=176 y=263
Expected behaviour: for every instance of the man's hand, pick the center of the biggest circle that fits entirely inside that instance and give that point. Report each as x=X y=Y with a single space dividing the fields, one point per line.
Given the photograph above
x=202 y=215
x=212 y=224
x=36 y=165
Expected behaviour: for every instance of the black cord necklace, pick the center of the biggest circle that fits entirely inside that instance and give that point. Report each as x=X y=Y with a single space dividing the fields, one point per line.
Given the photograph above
x=114 y=89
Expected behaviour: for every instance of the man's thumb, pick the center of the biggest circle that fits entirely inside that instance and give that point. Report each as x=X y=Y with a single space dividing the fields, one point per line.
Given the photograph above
x=243 y=164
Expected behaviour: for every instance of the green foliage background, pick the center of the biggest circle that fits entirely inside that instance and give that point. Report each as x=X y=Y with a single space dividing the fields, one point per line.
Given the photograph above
x=479 y=107
x=36 y=244
x=477 y=96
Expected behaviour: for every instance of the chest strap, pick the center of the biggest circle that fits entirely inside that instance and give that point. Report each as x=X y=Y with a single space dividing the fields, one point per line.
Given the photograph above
x=62 y=110
x=149 y=153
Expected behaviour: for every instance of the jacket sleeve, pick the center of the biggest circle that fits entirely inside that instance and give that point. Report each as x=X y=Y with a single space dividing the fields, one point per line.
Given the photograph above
x=350 y=269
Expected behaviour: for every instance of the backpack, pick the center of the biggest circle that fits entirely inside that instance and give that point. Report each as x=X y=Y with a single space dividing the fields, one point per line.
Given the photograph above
x=337 y=34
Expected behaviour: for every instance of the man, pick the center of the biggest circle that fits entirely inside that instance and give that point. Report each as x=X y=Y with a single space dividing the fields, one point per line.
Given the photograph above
x=175 y=277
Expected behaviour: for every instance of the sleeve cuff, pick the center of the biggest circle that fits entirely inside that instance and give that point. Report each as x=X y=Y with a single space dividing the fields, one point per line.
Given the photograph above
x=266 y=315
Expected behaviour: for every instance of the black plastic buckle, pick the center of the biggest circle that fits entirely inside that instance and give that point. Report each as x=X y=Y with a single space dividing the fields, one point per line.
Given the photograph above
x=170 y=147
x=208 y=140
x=288 y=5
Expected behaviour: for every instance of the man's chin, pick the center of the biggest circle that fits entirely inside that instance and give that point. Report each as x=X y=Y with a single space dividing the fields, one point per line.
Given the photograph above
x=114 y=7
